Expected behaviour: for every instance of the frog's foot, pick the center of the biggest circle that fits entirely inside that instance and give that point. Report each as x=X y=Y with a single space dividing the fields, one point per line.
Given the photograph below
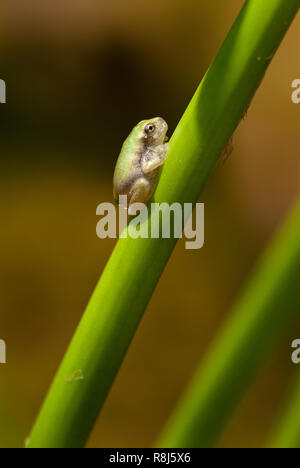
x=140 y=193
x=154 y=158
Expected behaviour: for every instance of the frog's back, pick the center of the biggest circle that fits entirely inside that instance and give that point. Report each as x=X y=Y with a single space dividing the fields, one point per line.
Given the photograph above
x=128 y=165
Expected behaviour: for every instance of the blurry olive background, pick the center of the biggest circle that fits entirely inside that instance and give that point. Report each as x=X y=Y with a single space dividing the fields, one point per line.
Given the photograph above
x=79 y=75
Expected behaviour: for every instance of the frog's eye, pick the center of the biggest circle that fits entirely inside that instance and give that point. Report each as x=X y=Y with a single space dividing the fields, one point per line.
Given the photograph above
x=149 y=129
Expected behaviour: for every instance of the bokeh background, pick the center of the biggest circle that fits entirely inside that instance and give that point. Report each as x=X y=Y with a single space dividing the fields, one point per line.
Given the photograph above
x=80 y=74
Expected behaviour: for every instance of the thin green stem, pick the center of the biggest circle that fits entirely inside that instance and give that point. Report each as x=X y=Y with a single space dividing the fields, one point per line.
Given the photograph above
x=263 y=312
x=287 y=434
x=135 y=266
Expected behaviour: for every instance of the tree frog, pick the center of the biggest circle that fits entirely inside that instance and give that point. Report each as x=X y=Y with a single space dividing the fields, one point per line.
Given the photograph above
x=142 y=154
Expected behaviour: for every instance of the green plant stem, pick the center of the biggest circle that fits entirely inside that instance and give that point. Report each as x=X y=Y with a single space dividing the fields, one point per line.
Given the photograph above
x=263 y=312
x=288 y=433
x=135 y=266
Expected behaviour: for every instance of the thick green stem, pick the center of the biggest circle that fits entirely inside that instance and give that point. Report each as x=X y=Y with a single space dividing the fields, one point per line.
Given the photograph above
x=264 y=311
x=135 y=266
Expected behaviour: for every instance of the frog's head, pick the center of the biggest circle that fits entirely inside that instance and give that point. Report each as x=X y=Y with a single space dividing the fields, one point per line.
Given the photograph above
x=153 y=131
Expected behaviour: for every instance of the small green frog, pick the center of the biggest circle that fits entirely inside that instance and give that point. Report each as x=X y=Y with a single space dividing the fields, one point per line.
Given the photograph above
x=137 y=168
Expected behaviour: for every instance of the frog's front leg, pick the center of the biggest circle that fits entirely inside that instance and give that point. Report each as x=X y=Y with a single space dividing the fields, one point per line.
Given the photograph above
x=154 y=157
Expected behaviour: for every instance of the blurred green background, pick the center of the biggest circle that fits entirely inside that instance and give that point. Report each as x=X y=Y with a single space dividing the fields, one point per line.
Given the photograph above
x=80 y=74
